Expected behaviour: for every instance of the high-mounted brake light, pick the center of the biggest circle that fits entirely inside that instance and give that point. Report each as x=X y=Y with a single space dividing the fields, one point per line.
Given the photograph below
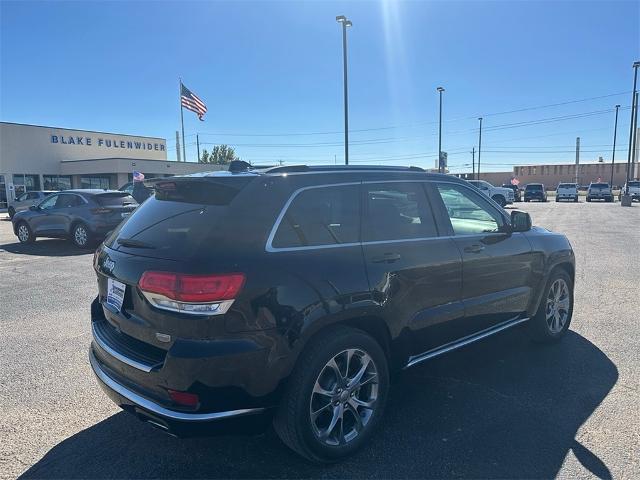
x=194 y=294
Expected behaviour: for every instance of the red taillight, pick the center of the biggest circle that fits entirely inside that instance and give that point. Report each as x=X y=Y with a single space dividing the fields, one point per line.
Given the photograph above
x=184 y=398
x=192 y=288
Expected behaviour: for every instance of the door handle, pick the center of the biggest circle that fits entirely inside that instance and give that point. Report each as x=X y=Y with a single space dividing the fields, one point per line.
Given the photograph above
x=475 y=248
x=386 y=258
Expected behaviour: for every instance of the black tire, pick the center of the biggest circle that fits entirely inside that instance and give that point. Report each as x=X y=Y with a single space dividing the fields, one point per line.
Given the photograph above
x=557 y=199
x=575 y=200
x=81 y=235
x=293 y=422
x=588 y=199
x=11 y=211
x=539 y=328
x=499 y=199
x=24 y=233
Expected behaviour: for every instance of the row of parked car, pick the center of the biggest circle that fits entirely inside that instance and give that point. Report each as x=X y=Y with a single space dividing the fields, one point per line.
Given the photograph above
x=85 y=216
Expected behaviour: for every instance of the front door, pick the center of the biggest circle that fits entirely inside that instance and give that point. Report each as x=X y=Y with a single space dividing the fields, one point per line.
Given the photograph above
x=496 y=264
x=48 y=222
x=414 y=274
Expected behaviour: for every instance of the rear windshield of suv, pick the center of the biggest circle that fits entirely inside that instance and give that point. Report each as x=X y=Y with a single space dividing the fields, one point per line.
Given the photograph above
x=634 y=184
x=534 y=186
x=178 y=219
x=567 y=185
x=599 y=185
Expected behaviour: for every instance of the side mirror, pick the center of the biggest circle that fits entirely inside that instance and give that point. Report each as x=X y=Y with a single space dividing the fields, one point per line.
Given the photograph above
x=520 y=221
x=34 y=208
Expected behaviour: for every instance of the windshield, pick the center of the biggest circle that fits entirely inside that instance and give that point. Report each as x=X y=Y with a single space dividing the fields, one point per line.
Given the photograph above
x=599 y=185
x=534 y=187
x=567 y=185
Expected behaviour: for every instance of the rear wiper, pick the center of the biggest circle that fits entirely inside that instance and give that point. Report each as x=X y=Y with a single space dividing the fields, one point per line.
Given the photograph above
x=129 y=242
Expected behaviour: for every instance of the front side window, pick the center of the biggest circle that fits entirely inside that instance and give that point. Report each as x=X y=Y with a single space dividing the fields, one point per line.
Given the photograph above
x=22 y=197
x=468 y=212
x=49 y=203
x=320 y=216
x=396 y=211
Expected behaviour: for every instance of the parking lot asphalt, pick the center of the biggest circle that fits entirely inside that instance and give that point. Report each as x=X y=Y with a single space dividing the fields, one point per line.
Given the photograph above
x=504 y=408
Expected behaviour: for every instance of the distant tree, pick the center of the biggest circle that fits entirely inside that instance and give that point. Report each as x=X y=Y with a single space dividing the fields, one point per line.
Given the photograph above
x=222 y=155
x=204 y=157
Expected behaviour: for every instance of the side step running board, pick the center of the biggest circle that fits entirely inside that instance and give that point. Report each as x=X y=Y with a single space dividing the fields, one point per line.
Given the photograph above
x=463 y=341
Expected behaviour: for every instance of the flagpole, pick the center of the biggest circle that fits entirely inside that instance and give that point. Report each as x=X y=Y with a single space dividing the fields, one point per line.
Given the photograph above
x=184 y=154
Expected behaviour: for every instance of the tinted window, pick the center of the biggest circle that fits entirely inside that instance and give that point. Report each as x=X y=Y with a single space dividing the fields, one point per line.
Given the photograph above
x=599 y=185
x=468 y=212
x=321 y=216
x=65 y=201
x=33 y=195
x=533 y=187
x=396 y=211
x=567 y=185
x=22 y=197
x=114 y=199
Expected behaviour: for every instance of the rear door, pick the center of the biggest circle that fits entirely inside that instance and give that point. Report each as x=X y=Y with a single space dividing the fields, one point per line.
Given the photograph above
x=414 y=274
x=496 y=264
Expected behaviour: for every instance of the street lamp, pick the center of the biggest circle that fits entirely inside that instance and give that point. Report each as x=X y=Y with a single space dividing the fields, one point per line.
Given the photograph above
x=345 y=23
x=613 y=154
x=440 y=165
x=631 y=127
x=479 y=146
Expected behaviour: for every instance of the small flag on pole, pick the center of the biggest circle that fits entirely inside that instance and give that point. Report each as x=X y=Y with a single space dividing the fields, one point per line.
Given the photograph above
x=190 y=101
x=138 y=176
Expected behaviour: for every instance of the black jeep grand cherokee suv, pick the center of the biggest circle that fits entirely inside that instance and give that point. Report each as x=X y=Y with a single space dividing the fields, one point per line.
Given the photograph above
x=293 y=293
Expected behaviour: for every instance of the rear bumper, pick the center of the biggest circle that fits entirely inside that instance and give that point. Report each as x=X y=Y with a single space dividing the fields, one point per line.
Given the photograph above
x=175 y=422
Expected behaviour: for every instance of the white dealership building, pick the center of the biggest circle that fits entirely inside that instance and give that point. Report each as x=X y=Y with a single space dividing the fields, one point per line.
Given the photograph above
x=34 y=157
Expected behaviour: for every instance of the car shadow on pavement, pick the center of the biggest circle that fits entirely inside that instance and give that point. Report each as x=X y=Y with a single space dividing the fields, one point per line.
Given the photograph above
x=46 y=248
x=504 y=408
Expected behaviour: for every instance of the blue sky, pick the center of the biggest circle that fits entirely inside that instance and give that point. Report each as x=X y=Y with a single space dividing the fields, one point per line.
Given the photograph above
x=271 y=75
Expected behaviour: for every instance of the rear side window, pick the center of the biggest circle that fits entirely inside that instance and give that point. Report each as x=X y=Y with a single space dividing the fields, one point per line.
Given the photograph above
x=320 y=216
x=396 y=211
x=114 y=199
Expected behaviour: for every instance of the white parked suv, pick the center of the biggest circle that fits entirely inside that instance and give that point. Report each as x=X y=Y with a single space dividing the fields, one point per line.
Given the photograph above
x=502 y=196
x=567 y=191
x=634 y=190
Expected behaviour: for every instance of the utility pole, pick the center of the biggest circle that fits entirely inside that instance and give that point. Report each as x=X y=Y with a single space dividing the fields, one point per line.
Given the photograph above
x=177 y=145
x=577 y=157
x=345 y=23
x=635 y=141
x=613 y=154
x=198 y=145
x=473 y=162
x=440 y=163
x=479 y=147
x=632 y=122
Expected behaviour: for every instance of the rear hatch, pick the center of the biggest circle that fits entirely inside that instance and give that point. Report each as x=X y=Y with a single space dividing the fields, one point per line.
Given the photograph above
x=177 y=231
x=114 y=206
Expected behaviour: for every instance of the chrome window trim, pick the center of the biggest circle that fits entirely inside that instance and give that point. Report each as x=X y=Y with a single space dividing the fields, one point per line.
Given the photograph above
x=271 y=249
x=223 y=305
x=153 y=407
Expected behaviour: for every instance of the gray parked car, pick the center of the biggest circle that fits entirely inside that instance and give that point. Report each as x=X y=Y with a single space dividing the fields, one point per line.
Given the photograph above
x=80 y=215
x=25 y=200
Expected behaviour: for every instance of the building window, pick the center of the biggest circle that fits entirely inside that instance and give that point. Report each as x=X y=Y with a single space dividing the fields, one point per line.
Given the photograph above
x=529 y=170
x=561 y=168
x=94 y=181
x=3 y=192
x=534 y=170
x=25 y=183
x=56 y=182
x=555 y=169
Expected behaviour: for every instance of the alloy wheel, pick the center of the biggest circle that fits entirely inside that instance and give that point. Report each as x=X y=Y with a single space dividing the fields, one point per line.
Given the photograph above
x=23 y=233
x=558 y=303
x=344 y=397
x=80 y=235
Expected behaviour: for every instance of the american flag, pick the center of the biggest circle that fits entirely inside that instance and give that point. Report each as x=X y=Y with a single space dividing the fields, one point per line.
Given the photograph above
x=190 y=101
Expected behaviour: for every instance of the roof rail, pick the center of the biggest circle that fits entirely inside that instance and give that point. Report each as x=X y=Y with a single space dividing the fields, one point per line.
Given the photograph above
x=338 y=168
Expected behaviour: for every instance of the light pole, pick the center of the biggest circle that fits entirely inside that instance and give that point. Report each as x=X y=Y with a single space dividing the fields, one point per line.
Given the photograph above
x=440 y=165
x=479 y=146
x=613 y=154
x=345 y=23
x=633 y=103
